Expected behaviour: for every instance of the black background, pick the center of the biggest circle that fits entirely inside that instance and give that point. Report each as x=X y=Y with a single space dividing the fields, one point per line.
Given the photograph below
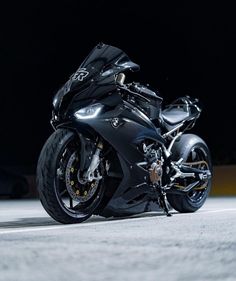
x=182 y=48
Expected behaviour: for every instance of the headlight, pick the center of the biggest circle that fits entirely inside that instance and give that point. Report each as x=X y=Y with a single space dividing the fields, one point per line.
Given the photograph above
x=54 y=102
x=89 y=112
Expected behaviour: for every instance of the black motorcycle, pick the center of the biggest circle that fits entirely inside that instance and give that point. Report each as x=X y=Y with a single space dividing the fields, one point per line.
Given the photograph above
x=115 y=150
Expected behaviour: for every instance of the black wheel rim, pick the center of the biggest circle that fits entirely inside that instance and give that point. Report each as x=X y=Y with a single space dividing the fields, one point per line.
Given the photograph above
x=68 y=204
x=198 y=154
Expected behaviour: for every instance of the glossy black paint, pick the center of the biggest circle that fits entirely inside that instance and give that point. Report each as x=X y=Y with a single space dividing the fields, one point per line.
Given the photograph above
x=133 y=128
x=133 y=195
x=101 y=66
x=121 y=124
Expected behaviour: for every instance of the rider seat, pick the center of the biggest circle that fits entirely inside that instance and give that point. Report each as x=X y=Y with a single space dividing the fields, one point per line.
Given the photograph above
x=174 y=115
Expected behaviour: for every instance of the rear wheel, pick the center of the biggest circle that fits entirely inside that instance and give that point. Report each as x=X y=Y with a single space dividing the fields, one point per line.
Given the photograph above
x=63 y=192
x=195 y=153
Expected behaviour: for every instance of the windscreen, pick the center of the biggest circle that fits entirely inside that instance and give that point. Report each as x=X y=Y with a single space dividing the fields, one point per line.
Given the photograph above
x=102 y=62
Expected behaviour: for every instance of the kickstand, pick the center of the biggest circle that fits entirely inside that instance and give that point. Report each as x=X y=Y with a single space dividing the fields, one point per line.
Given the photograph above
x=162 y=200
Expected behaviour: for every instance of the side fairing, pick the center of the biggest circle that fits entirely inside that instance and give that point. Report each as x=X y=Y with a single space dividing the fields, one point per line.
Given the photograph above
x=124 y=128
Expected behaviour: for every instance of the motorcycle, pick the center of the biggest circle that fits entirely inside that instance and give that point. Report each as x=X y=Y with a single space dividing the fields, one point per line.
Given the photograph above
x=116 y=151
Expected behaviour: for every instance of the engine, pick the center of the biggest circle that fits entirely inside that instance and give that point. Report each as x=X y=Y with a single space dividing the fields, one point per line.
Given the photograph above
x=153 y=157
x=156 y=172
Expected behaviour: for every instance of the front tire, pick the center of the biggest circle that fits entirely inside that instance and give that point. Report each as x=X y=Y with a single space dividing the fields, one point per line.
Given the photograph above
x=191 y=148
x=61 y=148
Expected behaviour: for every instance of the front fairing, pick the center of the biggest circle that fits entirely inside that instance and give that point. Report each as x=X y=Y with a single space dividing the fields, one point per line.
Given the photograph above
x=99 y=68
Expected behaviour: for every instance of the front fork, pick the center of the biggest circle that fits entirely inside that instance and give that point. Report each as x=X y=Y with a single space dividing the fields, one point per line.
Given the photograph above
x=89 y=174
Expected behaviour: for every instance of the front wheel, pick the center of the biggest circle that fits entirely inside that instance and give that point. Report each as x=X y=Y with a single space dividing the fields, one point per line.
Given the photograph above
x=194 y=151
x=64 y=194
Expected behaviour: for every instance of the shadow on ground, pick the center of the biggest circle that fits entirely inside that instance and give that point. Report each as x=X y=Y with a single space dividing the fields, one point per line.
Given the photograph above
x=47 y=221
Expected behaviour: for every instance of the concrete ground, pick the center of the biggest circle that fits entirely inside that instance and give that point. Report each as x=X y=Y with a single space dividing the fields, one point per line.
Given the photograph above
x=199 y=246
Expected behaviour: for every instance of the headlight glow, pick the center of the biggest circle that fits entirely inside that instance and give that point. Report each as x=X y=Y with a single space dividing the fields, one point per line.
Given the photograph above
x=54 y=102
x=89 y=112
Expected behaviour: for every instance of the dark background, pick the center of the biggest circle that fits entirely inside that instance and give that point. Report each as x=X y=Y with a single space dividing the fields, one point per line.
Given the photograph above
x=182 y=48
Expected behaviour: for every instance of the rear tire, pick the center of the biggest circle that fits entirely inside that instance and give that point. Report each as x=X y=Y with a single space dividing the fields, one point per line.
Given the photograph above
x=187 y=146
x=50 y=186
